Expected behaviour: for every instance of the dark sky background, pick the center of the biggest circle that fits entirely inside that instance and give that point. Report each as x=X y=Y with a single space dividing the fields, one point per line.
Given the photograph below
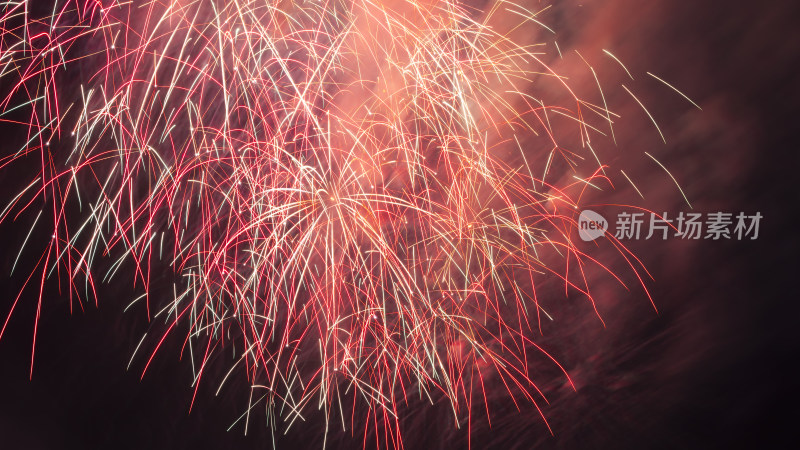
x=713 y=369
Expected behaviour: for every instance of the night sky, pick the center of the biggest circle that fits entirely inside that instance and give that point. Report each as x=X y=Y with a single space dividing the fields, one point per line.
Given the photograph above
x=714 y=368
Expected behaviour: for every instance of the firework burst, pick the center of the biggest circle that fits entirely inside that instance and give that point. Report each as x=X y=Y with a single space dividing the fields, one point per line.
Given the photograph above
x=356 y=199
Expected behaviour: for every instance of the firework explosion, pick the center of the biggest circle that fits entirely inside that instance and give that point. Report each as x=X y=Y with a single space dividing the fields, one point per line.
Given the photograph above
x=358 y=200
